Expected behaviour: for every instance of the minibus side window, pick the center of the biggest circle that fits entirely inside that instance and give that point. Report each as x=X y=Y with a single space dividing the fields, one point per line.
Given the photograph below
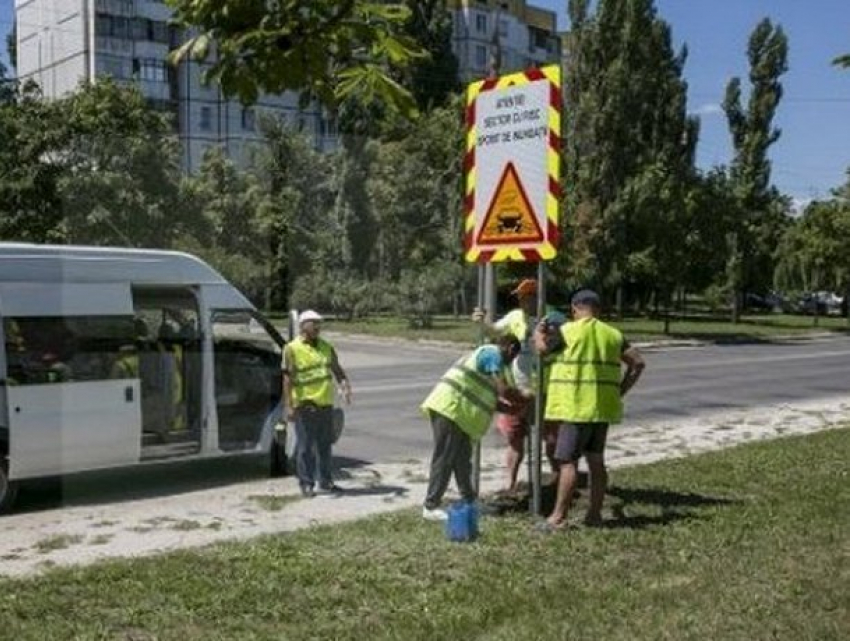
x=61 y=349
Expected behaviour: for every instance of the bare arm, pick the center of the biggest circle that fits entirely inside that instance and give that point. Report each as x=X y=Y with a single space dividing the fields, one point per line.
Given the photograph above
x=490 y=330
x=541 y=345
x=341 y=377
x=634 y=368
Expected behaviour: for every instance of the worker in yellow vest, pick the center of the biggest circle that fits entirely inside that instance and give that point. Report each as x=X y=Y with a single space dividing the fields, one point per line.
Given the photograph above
x=585 y=395
x=514 y=422
x=310 y=365
x=460 y=408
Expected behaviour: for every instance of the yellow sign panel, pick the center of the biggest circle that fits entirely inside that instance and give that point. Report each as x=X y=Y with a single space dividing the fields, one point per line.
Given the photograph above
x=510 y=218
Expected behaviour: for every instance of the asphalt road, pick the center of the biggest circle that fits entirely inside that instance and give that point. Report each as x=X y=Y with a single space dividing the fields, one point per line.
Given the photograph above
x=389 y=381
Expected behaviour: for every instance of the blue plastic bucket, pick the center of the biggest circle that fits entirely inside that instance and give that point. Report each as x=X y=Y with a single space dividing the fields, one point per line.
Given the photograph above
x=462 y=524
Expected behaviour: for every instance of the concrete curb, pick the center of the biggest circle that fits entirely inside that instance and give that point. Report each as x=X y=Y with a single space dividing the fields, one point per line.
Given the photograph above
x=655 y=345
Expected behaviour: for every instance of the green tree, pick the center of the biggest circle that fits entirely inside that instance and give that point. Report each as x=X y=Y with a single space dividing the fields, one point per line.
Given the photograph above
x=120 y=178
x=31 y=207
x=415 y=190
x=329 y=50
x=626 y=131
x=12 y=45
x=842 y=61
x=300 y=183
x=753 y=133
x=813 y=254
x=7 y=86
x=432 y=80
x=229 y=230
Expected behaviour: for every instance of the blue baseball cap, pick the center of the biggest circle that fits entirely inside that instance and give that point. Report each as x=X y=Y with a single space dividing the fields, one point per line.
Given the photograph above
x=554 y=319
x=586 y=297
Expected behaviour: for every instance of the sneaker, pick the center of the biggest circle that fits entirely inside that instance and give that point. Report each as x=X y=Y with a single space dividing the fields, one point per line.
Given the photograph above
x=434 y=514
x=331 y=488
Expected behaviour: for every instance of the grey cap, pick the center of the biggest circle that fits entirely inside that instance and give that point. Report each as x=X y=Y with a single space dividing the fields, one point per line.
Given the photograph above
x=586 y=297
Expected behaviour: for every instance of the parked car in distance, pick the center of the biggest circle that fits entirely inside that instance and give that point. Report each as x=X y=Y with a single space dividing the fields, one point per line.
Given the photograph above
x=822 y=302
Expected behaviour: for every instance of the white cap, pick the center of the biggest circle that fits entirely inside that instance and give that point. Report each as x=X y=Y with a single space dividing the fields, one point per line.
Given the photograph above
x=308 y=315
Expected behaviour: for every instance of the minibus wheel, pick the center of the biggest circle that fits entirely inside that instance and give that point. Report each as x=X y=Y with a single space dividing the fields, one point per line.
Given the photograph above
x=8 y=489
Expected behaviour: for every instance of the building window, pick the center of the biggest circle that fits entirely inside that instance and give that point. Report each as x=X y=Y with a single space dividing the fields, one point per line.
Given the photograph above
x=140 y=29
x=481 y=23
x=480 y=56
x=539 y=38
x=120 y=28
x=150 y=69
x=206 y=118
x=113 y=26
x=248 y=119
x=158 y=32
x=150 y=30
x=503 y=28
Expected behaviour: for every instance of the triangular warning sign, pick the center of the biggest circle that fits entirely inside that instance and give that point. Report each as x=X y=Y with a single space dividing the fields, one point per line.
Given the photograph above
x=510 y=218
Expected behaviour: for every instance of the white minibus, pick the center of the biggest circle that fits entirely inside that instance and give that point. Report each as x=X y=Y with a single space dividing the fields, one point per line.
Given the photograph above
x=116 y=357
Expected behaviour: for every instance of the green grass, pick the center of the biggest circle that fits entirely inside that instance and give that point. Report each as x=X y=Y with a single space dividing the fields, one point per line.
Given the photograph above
x=749 y=543
x=462 y=330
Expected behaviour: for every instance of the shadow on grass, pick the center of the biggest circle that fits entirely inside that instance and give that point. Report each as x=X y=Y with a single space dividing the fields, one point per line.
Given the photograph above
x=628 y=505
x=674 y=506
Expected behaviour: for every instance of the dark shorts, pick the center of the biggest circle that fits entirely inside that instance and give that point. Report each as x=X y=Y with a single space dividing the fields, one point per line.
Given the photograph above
x=577 y=439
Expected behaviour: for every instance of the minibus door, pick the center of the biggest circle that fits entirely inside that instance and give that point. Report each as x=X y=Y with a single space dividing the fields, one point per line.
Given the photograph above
x=247 y=352
x=68 y=409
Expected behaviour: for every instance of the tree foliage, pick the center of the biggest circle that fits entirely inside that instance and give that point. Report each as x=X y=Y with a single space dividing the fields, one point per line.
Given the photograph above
x=763 y=214
x=629 y=145
x=328 y=50
x=120 y=161
x=30 y=203
x=813 y=252
x=12 y=45
x=433 y=80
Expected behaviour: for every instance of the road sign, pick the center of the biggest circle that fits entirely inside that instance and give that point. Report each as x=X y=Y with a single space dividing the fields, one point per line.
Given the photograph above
x=512 y=167
x=510 y=218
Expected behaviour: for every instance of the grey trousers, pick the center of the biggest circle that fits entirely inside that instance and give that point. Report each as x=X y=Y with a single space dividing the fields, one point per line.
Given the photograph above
x=314 y=437
x=452 y=455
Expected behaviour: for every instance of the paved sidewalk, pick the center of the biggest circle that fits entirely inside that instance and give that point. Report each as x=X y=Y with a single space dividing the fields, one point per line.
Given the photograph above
x=31 y=543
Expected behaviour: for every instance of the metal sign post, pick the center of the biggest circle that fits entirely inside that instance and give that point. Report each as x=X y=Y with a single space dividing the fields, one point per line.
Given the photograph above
x=476 y=451
x=537 y=429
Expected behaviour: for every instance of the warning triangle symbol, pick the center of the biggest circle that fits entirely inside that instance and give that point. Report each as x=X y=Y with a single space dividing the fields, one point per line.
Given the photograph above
x=510 y=218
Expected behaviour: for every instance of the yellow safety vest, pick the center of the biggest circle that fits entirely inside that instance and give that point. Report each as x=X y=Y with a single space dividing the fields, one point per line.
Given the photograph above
x=310 y=371
x=178 y=390
x=465 y=396
x=517 y=324
x=584 y=385
x=126 y=365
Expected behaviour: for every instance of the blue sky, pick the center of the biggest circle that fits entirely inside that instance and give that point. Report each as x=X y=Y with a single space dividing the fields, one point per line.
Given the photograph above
x=813 y=153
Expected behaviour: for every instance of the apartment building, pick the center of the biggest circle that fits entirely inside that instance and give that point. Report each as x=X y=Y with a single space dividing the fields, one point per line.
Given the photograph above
x=522 y=34
x=62 y=43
